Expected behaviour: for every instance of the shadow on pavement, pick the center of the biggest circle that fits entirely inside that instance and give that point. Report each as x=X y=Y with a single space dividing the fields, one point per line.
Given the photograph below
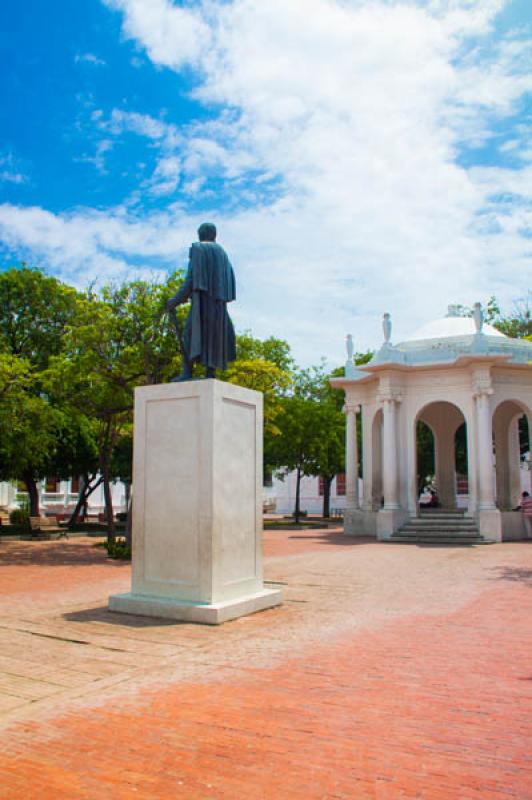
x=55 y=554
x=102 y=614
x=334 y=538
x=515 y=574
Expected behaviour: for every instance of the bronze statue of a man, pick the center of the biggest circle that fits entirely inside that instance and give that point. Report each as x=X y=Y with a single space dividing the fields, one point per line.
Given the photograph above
x=208 y=336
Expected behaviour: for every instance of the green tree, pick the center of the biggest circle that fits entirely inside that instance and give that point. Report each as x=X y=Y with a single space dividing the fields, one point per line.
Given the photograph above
x=35 y=312
x=312 y=430
x=517 y=324
x=266 y=377
x=295 y=448
x=37 y=437
x=275 y=351
x=77 y=456
x=122 y=469
x=121 y=339
x=328 y=446
x=15 y=380
x=265 y=366
x=29 y=442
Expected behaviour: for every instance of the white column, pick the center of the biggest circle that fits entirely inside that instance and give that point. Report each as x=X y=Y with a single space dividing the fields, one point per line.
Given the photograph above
x=366 y=419
x=501 y=438
x=411 y=460
x=514 y=464
x=389 y=466
x=351 y=457
x=486 y=498
x=376 y=463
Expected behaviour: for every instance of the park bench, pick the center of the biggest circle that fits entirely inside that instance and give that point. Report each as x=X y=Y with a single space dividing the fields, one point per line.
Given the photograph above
x=42 y=527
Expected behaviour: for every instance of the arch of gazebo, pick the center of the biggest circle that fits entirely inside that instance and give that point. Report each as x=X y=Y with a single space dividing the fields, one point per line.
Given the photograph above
x=505 y=420
x=443 y=418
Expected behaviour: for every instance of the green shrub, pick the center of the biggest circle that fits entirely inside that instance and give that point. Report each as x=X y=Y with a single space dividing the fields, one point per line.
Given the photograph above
x=119 y=548
x=20 y=518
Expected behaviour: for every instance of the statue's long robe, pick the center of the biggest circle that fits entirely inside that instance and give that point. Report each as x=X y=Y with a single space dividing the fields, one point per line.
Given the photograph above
x=208 y=335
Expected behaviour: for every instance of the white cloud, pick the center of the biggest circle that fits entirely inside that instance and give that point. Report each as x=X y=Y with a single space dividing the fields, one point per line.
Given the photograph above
x=10 y=170
x=98 y=159
x=171 y=35
x=12 y=177
x=166 y=176
x=89 y=58
x=141 y=124
x=358 y=111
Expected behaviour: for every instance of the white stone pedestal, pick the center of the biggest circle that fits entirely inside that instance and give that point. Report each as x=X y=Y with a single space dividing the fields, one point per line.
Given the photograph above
x=197 y=509
x=358 y=522
x=490 y=525
x=389 y=521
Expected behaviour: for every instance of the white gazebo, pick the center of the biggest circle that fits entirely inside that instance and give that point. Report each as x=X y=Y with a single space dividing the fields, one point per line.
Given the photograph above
x=454 y=371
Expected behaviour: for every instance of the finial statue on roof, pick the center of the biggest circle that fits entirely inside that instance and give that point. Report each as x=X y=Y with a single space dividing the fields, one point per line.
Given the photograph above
x=349 y=348
x=387 y=328
x=478 y=317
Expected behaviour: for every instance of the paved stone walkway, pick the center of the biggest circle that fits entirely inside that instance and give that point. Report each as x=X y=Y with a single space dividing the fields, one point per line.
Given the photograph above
x=391 y=671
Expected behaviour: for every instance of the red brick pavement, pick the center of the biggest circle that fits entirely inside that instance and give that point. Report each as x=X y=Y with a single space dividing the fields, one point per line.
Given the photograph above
x=41 y=567
x=421 y=707
x=78 y=562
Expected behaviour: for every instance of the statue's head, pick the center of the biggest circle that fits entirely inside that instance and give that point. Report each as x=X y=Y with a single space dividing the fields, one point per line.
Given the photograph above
x=207 y=232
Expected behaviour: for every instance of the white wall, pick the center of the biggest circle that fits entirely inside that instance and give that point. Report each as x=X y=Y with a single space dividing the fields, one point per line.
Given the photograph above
x=283 y=492
x=63 y=500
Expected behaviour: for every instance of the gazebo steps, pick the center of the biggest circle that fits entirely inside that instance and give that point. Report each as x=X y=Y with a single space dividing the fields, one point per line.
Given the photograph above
x=443 y=514
x=439 y=539
x=439 y=527
x=444 y=524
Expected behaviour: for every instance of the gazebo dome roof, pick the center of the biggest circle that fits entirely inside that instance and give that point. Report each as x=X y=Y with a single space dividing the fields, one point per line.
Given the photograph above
x=453 y=339
x=452 y=325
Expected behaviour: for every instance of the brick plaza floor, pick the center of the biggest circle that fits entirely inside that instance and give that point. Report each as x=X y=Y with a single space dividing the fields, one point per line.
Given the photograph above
x=391 y=671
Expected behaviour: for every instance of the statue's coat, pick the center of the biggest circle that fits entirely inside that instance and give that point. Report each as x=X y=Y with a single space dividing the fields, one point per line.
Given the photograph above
x=208 y=336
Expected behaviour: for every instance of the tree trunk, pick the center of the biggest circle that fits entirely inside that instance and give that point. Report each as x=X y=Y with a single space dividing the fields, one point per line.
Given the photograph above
x=33 y=493
x=327 y=483
x=108 y=498
x=79 y=505
x=106 y=448
x=85 y=492
x=297 y=510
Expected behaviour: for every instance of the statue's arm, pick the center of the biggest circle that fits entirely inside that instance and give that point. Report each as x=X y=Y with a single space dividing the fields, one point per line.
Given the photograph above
x=183 y=294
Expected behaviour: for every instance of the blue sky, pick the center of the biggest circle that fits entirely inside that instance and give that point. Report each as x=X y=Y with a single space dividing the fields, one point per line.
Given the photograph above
x=66 y=60
x=358 y=157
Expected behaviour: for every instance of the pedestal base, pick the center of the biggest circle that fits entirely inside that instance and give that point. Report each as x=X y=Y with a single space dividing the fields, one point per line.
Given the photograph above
x=490 y=525
x=389 y=521
x=360 y=523
x=213 y=614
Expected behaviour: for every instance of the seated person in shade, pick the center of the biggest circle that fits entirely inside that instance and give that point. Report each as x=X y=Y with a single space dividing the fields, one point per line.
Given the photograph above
x=430 y=501
x=526 y=510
